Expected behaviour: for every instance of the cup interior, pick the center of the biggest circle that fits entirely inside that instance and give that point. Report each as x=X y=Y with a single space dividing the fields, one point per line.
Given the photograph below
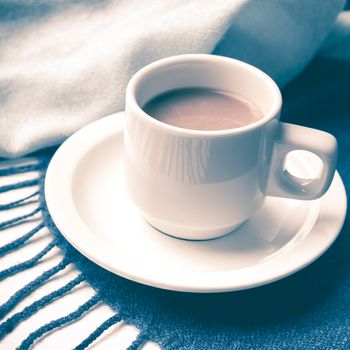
x=207 y=71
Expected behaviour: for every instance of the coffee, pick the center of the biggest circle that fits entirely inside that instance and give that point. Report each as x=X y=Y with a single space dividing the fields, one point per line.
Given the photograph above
x=203 y=109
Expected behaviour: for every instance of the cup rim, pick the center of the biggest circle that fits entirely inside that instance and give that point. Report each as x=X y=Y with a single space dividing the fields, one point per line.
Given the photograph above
x=146 y=70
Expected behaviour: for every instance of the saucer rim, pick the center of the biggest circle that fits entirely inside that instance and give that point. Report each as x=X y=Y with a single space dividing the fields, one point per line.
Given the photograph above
x=100 y=130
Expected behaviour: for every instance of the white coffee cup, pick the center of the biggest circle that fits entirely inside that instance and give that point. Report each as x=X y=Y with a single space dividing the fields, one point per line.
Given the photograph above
x=200 y=185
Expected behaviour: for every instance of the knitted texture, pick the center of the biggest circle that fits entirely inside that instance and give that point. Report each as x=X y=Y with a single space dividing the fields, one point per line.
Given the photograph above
x=309 y=310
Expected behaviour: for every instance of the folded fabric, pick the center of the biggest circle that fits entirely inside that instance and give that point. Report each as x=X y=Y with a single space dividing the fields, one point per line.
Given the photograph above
x=65 y=63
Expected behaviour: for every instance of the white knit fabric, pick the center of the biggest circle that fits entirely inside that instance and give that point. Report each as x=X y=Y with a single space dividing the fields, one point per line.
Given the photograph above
x=65 y=63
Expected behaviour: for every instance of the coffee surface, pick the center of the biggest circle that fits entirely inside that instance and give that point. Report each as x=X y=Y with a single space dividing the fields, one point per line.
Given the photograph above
x=203 y=109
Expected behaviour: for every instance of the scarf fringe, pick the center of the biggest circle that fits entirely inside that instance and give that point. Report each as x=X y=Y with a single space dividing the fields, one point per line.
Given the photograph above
x=59 y=322
x=26 y=264
x=98 y=331
x=12 y=322
x=18 y=185
x=13 y=301
x=19 y=242
x=39 y=165
x=140 y=340
x=19 y=219
x=20 y=202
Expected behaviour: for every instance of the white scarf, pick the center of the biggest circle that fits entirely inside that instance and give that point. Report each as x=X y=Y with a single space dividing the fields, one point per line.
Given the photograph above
x=65 y=63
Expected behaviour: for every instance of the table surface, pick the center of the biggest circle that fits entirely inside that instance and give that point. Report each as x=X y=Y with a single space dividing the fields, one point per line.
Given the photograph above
x=117 y=337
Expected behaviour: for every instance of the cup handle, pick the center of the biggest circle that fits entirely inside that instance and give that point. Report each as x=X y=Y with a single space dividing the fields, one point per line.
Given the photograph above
x=290 y=137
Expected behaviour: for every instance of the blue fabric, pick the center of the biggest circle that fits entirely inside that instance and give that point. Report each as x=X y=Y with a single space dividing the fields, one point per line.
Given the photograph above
x=308 y=310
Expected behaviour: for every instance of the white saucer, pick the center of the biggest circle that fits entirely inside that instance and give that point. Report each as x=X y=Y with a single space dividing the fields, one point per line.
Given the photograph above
x=86 y=199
